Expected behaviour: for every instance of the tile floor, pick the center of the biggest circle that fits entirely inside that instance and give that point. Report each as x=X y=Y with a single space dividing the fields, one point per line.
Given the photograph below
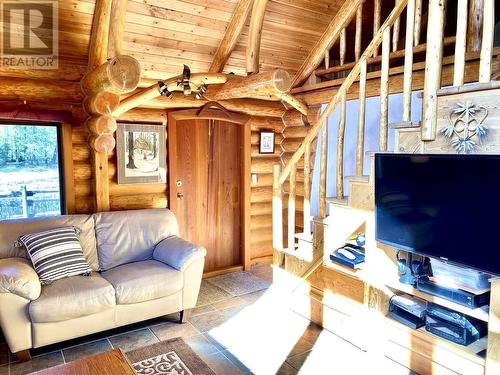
x=234 y=333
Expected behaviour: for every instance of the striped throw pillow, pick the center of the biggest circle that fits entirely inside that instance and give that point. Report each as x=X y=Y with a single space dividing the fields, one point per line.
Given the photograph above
x=56 y=253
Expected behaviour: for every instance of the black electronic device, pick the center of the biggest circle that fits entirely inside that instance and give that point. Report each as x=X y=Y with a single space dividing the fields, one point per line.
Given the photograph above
x=458 y=296
x=452 y=217
x=452 y=325
x=408 y=310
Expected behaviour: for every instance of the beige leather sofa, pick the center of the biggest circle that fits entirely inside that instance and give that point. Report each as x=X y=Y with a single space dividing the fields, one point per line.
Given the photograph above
x=142 y=270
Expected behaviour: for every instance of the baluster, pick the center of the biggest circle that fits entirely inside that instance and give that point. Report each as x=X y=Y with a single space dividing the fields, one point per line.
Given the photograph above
x=395 y=34
x=408 y=68
x=277 y=212
x=307 y=189
x=327 y=59
x=460 y=43
x=291 y=208
x=360 y=146
x=384 y=90
x=433 y=68
x=322 y=169
x=342 y=46
x=376 y=21
x=359 y=32
x=418 y=22
x=487 y=41
x=340 y=148
x=475 y=25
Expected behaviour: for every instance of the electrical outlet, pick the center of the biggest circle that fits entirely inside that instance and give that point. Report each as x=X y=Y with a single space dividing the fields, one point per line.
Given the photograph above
x=255 y=178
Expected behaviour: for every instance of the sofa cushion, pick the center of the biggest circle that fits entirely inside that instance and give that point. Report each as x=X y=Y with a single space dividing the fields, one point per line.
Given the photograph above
x=71 y=298
x=56 y=253
x=11 y=230
x=143 y=281
x=130 y=236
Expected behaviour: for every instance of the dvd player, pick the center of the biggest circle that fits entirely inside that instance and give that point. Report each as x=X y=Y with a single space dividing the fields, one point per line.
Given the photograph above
x=458 y=296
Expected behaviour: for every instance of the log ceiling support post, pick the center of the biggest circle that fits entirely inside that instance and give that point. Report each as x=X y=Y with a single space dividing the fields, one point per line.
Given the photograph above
x=255 y=35
x=103 y=84
x=232 y=36
x=326 y=41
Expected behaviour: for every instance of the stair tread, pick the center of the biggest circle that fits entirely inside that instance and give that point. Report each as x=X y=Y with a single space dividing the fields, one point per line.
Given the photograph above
x=363 y=178
x=343 y=201
x=405 y=124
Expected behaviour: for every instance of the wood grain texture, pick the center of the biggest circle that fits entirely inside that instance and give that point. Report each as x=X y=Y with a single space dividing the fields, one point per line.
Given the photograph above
x=111 y=363
x=231 y=36
x=255 y=35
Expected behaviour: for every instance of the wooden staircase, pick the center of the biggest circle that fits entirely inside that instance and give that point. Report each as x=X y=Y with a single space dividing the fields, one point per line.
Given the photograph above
x=292 y=182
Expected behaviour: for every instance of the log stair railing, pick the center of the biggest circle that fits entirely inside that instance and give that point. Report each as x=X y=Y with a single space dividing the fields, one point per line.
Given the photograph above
x=302 y=156
x=361 y=186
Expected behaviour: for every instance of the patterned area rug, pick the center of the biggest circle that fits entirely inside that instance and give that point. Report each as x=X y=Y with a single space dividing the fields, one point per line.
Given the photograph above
x=172 y=357
x=239 y=283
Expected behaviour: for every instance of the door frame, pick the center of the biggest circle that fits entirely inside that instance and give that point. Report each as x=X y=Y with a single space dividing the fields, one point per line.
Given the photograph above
x=235 y=118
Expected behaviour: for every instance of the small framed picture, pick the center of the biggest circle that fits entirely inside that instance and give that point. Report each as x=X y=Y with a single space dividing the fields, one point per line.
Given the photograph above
x=141 y=153
x=266 y=142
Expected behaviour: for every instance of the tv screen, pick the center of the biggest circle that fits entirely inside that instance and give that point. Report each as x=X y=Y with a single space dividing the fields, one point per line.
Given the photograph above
x=442 y=206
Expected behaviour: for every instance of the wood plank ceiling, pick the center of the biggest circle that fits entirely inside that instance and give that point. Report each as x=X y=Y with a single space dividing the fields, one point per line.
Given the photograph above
x=165 y=34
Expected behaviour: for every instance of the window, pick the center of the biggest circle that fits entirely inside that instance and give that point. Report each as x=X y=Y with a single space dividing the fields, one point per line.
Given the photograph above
x=30 y=171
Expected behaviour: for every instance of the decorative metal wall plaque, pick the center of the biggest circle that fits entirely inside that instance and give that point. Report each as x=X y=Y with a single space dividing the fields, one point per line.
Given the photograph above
x=465 y=127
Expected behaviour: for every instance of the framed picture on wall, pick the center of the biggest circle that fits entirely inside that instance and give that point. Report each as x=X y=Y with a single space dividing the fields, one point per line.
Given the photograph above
x=141 y=154
x=266 y=142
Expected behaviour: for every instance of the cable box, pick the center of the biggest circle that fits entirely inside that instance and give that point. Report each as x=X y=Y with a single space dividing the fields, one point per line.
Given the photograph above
x=459 y=296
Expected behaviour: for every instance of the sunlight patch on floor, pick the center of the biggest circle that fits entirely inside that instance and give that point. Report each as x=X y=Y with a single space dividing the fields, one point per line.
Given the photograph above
x=263 y=334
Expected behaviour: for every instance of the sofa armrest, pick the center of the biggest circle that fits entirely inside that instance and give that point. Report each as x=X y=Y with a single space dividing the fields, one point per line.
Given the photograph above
x=178 y=253
x=17 y=276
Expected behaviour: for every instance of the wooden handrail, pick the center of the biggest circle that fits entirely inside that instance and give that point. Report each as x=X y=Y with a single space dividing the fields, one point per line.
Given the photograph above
x=374 y=44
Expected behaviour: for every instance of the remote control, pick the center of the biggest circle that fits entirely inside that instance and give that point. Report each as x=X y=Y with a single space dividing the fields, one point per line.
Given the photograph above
x=346 y=253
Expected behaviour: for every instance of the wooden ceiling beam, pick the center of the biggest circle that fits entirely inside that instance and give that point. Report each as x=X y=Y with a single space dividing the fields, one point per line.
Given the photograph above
x=117 y=27
x=255 y=35
x=332 y=32
x=98 y=46
x=231 y=36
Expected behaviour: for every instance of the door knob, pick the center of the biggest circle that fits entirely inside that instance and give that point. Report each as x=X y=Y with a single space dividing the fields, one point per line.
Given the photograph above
x=180 y=196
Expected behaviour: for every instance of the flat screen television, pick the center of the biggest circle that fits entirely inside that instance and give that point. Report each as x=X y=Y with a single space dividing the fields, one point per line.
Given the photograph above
x=441 y=206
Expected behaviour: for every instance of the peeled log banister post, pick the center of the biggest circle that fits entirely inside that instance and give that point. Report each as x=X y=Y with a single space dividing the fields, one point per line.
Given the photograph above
x=277 y=217
x=342 y=45
x=384 y=91
x=376 y=21
x=149 y=93
x=340 y=148
x=323 y=165
x=395 y=34
x=260 y=85
x=291 y=209
x=418 y=22
x=475 y=25
x=360 y=145
x=359 y=32
x=254 y=36
x=306 y=209
x=487 y=41
x=433 y=68
x=118 y=75
x=460 y=43
x=231 y=36
x=351 y=77
x=101 y=103
x=408 y=65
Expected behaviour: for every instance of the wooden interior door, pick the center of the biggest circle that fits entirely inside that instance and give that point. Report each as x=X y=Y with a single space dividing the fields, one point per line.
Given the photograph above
x=206 y=187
